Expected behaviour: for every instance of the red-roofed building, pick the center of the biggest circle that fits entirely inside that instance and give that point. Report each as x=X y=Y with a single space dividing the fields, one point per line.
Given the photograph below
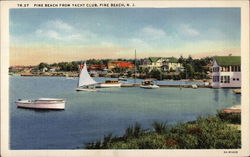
x=95 y=67
x=120 y=64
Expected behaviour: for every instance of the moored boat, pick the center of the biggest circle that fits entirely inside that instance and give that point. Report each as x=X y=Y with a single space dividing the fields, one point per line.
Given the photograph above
x=122 y=78
x=42 y=103
x=149 y=84
x=194 y=86
x=237 y=91
x=109 y=84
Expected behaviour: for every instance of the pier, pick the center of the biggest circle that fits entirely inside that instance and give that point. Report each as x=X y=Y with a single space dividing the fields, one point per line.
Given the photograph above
x=166 y=86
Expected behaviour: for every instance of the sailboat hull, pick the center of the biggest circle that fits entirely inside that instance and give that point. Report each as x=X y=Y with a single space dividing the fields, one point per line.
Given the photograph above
x=86 y=90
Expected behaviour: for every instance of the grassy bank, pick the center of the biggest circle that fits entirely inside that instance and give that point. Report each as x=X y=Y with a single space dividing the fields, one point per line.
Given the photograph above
x=204 y=133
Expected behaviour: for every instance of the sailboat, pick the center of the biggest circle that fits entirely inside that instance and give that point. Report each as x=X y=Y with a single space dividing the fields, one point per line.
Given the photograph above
x=85 y=82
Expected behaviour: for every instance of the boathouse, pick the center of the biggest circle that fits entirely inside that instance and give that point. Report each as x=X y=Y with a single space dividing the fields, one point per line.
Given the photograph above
x=226 y=72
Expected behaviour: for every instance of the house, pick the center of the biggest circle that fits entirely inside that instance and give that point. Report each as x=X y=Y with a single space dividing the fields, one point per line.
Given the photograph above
x=98 y=67
x=120 y=64
x=162 y=63
x=226 y=72
x=44 y=69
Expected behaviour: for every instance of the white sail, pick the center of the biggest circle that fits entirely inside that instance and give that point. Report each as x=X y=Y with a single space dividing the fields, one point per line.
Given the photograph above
x=84 y=78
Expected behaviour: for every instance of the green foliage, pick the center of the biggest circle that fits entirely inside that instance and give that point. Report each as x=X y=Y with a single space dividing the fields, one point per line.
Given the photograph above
x=204 y=133
x=134 y=131
x=43 y=65
x=155 y=73
x=68 y=66
x=234 y=118
x=160 y=127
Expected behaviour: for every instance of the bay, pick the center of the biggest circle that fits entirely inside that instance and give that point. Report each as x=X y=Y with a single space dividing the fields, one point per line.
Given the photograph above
x=89 y=116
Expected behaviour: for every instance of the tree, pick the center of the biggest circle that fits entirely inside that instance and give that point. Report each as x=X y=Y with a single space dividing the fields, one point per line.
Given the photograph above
x=190 y=71
x=155 y=73
x=42 y=65
x=181 y=59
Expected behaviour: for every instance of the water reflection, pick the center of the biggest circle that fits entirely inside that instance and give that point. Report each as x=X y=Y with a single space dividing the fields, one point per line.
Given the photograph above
x=216 y=95
x=225 y=91
x=41 y=110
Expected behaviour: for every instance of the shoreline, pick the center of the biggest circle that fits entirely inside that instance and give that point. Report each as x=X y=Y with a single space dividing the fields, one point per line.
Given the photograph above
x=212 y=132
x=66 y=74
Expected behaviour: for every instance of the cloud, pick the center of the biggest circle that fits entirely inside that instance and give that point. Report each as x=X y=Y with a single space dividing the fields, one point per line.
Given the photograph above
x=59 y=31
x=188 y=30
x=59 y=24
x=152 y=32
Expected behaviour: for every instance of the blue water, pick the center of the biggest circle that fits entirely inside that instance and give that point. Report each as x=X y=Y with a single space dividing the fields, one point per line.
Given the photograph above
x=89 y=116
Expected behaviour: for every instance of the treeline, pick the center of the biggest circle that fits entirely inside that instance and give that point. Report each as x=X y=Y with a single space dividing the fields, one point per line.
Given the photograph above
x=70 y=66
x=192 y=68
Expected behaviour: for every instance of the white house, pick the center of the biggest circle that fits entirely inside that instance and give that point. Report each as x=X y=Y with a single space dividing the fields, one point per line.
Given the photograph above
x=226 y=72
x=162 y=63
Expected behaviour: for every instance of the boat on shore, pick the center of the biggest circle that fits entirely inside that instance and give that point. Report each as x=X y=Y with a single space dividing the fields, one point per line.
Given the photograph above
x=149 y=84
x=85 y=82
x=237 y=91
x=109 y=84
x=42 y=103
x=233 y=109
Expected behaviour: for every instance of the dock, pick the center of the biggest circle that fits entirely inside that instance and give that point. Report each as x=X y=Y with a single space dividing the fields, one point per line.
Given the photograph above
x=167 y=86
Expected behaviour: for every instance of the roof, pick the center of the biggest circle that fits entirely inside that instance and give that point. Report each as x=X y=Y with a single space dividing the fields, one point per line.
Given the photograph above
x=123 y=64
x=169 y=59
x=228 y=60
x=154 y=59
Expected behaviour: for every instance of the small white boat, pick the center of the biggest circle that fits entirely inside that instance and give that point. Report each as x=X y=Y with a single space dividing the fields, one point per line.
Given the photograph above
x=149 y=84
x=85 y=82
x=42 y=103
x=194 y=86
x=122 y=78
x=109 y=84
x=70 y=78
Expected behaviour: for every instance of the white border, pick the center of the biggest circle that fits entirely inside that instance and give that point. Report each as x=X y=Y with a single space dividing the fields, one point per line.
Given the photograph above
x=244 y=151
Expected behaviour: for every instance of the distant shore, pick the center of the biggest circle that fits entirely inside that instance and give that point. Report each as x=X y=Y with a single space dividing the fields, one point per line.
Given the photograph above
x=75 y=74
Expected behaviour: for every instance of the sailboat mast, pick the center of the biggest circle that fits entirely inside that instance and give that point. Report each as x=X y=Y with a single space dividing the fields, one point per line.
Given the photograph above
x=135 y=69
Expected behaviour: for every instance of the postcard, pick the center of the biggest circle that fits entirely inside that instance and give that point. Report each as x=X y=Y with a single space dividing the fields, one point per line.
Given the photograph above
x=124 y=78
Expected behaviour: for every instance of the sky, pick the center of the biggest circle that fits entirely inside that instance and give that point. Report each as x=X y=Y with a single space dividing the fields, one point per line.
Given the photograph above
x=66 y=34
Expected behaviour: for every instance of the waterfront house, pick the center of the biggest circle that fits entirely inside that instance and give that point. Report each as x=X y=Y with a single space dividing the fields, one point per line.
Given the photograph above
x=120 y=64
x=226 y=72
x=44 y=69
x=98 y=67
x=162 y=63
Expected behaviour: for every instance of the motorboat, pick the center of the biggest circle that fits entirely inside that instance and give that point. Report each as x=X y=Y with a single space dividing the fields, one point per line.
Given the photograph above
x=109 y=84
x=86 y=82
x=149 y=84
x=122 y=78
x=42 y=103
